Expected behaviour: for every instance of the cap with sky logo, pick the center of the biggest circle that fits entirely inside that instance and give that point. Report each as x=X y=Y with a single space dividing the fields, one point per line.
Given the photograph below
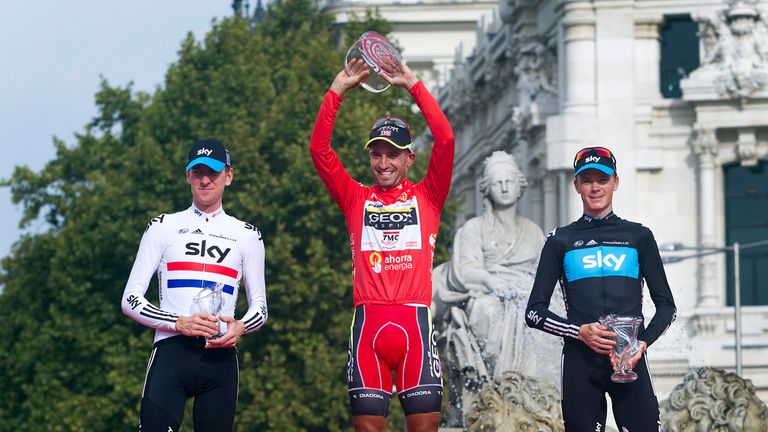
x=209 y=152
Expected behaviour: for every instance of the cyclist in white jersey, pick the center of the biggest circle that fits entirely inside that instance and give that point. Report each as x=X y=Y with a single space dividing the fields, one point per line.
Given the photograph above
x=193 y=252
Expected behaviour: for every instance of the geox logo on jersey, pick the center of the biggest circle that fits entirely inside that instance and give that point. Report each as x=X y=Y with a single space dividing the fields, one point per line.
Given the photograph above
x=390 y=220
x=200 y=249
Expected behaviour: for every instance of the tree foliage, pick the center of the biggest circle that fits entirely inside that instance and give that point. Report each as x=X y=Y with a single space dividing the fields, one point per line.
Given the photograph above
x=71 y=360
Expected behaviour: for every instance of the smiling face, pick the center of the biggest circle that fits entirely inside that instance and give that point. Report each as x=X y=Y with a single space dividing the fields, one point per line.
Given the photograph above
x=389 y=164
x=208 y=186
x=596 y=189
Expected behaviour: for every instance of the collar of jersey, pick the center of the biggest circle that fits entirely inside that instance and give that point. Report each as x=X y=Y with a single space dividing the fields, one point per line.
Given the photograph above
x=199 y=213
x=592 y=220
x=394 y=190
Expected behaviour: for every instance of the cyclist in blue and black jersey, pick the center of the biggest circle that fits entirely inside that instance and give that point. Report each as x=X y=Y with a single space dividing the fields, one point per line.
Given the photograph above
x=601 y=262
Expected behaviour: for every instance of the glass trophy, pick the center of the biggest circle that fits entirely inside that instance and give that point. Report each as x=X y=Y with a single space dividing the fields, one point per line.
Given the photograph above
x=377 y=52
x=209 y=300
x=626 y=329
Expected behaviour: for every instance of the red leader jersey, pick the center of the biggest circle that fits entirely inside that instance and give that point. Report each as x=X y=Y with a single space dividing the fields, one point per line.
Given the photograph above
x=392 y=233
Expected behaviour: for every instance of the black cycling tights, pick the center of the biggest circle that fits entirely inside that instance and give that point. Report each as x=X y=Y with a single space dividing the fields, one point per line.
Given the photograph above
x=586 y=380
x=180 y=367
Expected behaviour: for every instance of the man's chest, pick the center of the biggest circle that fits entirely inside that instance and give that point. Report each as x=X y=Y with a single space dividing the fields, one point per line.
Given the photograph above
x=392 y=225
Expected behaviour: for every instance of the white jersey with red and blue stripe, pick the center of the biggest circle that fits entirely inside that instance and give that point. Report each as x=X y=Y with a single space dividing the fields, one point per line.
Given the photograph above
x=191 y=251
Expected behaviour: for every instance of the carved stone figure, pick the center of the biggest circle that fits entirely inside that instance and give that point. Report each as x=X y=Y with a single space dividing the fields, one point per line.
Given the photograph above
x=713 y=400
x=734 y=45
x=534 y=69
x=516 y=403
x=480 y=295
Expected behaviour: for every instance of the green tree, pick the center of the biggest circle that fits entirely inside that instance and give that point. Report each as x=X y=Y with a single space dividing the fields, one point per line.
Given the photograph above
x=71 y=360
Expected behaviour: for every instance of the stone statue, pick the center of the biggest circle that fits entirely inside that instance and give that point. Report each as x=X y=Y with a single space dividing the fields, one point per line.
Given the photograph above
x=713 y=400
x=535 y=69
x=480 y=295
x=516 y=403
x=734 y=43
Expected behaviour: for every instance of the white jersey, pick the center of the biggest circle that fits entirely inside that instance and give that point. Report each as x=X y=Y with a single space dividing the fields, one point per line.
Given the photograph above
x=190 y=251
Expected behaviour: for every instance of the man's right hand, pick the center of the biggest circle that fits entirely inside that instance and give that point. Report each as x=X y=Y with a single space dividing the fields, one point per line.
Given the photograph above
x=358 y=72
x=597 y=337
x=199 y=324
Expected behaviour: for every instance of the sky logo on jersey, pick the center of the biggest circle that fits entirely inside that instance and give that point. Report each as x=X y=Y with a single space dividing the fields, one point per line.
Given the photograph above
x=598 y=260
x=215 y=252
x=601 y=261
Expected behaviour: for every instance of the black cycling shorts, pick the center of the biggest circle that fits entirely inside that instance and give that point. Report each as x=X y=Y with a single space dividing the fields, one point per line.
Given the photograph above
x=180 y=367
x=586 y=377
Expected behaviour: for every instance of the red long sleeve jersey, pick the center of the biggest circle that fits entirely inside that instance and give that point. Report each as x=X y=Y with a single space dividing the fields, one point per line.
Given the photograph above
x=392 y=233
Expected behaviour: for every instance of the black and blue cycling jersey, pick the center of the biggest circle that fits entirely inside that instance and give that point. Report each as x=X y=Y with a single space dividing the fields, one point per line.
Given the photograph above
x=601 y=265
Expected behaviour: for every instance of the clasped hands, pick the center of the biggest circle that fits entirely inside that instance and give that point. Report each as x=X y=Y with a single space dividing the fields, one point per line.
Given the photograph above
x=207 y=325
x=600 y=339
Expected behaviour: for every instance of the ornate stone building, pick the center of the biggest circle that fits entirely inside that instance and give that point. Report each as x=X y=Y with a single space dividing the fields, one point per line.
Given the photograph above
x=678 y=90
x=431 y=32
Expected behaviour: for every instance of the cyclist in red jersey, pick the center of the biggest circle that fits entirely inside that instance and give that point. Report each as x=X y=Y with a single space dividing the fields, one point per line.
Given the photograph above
x=392 y=228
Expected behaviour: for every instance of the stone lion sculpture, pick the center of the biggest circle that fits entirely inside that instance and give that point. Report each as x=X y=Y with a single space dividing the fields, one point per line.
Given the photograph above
x=516 y=403
x=711 y=399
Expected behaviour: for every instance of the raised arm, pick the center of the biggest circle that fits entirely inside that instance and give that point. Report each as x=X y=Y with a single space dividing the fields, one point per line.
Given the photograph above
x=326 y=161
x=437 y=182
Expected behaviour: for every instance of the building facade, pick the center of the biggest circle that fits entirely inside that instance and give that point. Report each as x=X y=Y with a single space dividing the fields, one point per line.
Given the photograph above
x=431 y=33
x=679 y=90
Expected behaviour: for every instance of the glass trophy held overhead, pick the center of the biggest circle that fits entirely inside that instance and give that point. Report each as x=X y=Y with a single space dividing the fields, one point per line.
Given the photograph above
x=626 y=329
x=379 y=54
x=210 y=300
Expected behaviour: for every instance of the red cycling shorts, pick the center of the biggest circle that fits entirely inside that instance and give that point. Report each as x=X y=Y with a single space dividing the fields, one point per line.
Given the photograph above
x=399 y=338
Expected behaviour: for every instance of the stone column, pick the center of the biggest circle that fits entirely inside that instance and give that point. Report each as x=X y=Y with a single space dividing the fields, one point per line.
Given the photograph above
x=647 y=62
x=579 y=39
x=549 y=186
x=705 y=147
x=647 y=59
x=568 y=201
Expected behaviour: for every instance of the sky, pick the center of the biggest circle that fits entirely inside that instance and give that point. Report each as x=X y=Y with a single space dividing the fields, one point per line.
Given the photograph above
x=54 y=55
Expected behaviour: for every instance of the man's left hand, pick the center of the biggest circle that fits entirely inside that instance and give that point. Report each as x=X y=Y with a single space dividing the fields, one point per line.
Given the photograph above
x=397 y=73
x=631 y=361
x=235 y=329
